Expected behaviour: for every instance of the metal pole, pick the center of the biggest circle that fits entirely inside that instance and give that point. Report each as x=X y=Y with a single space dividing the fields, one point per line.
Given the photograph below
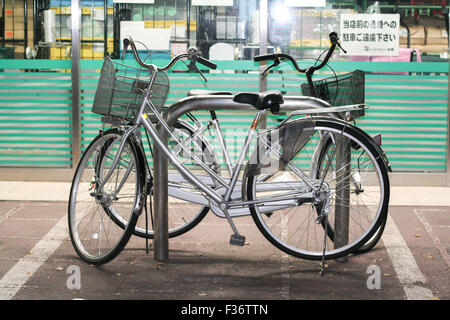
x=341 y=221
x=76 y=93
x=13 y=23
x=25 y=28
x=188 y=23
x=35 y=24
x=2 y=27
x=263 y=16
x=448 y=119
x=105 y=28
x=160 y=196
x=116 y=30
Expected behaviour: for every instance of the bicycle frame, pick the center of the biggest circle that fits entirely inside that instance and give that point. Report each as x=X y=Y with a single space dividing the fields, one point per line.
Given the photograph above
x=200 y=128
x=211 y=194
x=218 y=201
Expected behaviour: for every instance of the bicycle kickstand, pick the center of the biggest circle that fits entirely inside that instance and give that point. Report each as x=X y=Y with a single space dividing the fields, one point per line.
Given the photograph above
x=322 y=267
x=324 y=216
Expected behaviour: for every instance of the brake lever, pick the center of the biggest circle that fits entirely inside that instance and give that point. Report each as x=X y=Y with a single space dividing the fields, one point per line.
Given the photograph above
x=193 y=67
x=266 y=70
x=193 y=55
x=339 y=45
x=275 y=63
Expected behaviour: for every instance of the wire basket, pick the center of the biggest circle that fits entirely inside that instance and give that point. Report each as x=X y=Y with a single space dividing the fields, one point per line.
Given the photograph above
x=121 y=88
x=341 y=90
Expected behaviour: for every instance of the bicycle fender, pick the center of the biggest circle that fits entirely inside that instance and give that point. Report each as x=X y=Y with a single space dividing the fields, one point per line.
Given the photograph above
x=145 y=175
x=275 y=149
x=363 y=133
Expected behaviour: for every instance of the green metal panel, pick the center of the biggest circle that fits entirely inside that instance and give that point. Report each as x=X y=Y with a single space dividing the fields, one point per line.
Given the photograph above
x=35 y=113
x=410 y=110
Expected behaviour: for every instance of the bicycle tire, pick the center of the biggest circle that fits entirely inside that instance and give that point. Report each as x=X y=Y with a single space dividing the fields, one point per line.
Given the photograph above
x=282 y=236
x=91 y=242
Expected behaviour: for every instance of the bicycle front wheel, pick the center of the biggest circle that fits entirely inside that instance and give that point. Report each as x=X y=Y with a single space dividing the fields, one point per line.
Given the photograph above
x=101 y=219
x=352 y=184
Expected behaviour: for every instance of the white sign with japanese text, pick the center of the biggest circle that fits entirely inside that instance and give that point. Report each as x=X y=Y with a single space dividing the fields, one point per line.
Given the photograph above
x=370 y=34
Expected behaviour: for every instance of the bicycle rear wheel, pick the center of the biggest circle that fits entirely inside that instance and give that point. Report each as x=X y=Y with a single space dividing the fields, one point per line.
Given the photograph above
x=294 y=228
x=101 y=221
x=324 y=153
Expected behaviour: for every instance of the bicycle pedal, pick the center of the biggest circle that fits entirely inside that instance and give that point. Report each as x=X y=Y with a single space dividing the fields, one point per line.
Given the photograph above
x=237 y=240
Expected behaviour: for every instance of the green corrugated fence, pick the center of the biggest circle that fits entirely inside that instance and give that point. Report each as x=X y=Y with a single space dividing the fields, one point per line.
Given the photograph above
x=35 y=113
x=408 y=105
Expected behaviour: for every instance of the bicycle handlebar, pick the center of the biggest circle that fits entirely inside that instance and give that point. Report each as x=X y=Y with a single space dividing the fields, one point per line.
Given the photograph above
x=277 y=56
x=193 y=55
x=334 y=41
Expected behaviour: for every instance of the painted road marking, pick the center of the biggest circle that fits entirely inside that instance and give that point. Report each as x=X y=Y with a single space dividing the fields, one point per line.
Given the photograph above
x=405 y=265
x=19 y=274
x=429 y=229
x=11 y=212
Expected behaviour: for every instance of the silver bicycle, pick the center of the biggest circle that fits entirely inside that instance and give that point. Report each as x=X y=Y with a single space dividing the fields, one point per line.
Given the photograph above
x=201 y=135
x=293 y=192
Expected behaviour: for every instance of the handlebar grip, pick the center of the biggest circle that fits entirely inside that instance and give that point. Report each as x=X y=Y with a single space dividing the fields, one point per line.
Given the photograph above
x=207 y=63
x=334 y=38
x=265 y=57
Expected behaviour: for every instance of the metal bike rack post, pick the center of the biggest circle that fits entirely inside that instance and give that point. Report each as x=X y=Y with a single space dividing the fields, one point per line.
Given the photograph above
x=171 y=115
x=263 y=25
x=448 y=122
x=342 y=215
x=76 y=94
x=160 y=192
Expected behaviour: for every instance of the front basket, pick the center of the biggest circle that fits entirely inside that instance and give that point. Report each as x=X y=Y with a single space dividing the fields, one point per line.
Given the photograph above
x=341 y=90
x=121 y=88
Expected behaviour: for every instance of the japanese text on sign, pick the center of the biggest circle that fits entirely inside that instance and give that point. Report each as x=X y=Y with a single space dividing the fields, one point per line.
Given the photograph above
x=370 y=34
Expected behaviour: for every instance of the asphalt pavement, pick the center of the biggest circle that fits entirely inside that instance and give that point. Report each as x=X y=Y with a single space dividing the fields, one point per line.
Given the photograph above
x=38 y=262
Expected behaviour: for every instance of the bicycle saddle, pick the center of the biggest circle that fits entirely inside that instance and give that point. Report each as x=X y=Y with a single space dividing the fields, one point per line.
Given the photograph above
x=261 y=100
x=201 y=92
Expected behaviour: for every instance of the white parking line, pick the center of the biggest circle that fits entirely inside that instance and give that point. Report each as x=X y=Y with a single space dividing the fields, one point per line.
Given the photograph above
x=19 y=274
x=433 y=236
x=405 y=265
